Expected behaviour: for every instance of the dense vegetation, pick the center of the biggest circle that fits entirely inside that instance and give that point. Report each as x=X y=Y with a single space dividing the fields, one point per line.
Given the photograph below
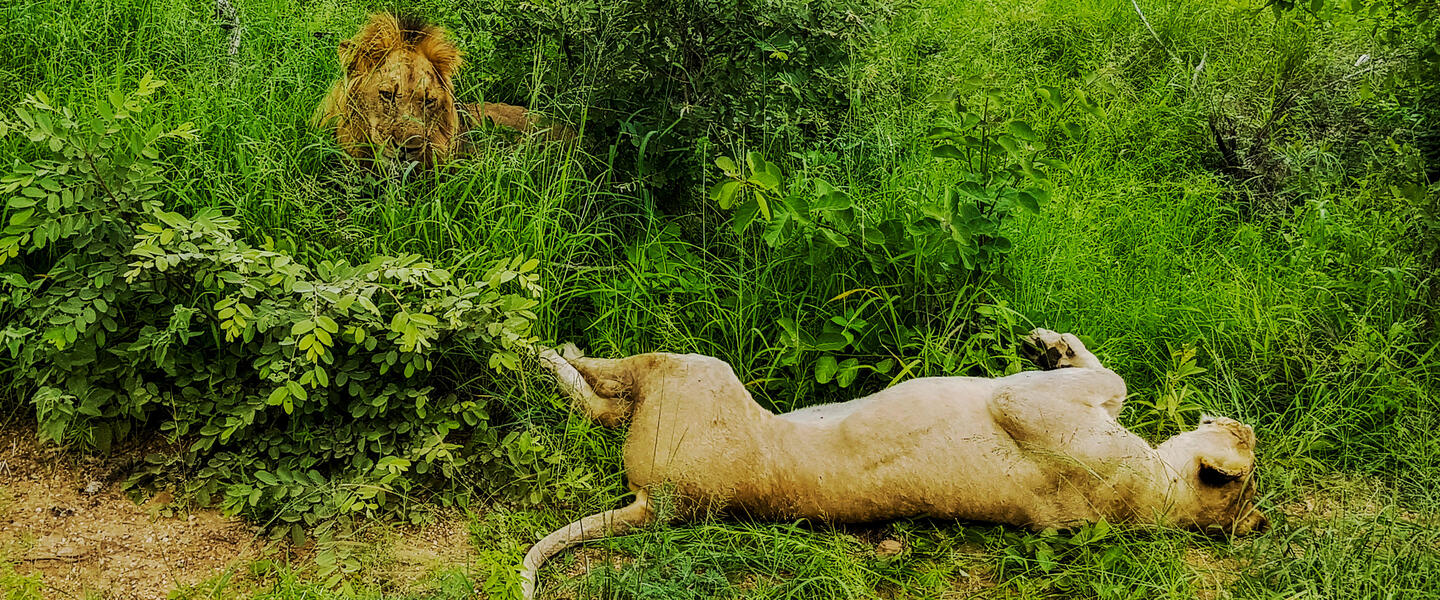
x=1238 y=208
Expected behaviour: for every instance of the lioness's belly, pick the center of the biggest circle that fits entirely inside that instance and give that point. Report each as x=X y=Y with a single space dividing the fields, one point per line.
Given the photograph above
x=927 y=447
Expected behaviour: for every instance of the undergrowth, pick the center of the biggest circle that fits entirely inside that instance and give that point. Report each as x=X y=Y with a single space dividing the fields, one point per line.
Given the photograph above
x=1236 y=208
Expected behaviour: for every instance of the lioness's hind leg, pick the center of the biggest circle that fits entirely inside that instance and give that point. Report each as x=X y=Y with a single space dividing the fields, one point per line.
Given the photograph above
x=1051 y=350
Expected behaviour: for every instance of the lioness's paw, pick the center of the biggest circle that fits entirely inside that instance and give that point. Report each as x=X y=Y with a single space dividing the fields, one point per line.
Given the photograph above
x=570 y=351
x=1051 y=350
x=557 y=359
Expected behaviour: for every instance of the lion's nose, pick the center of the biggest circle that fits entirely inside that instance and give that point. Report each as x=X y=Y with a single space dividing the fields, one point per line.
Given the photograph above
x=413 y=148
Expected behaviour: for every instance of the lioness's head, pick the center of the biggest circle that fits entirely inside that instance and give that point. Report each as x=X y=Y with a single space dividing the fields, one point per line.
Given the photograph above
x=1216 y=464
x=396 y=100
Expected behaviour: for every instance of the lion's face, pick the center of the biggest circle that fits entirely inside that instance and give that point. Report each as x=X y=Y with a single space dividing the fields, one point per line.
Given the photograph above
x=397 y=99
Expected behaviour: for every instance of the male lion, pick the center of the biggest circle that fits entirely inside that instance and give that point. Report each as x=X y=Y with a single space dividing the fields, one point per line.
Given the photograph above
x=1036 y=449
x=397 y=98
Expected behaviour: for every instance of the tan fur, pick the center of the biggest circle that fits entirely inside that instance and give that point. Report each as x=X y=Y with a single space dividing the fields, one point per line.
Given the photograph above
x=1036 y=449
x=397 y=98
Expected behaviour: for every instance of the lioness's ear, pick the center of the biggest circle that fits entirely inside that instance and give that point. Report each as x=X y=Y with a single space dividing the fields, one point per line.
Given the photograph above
x=1229 y=453
x=1216 y=475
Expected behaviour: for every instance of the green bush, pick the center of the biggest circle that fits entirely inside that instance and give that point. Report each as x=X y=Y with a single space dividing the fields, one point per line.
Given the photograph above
x=293 y=392
x=657 y=75
x=956 y=240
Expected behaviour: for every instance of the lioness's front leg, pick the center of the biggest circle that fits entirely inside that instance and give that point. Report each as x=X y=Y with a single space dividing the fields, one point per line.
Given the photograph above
x=1046 y=407
x=607 y=401
x=1051 y=350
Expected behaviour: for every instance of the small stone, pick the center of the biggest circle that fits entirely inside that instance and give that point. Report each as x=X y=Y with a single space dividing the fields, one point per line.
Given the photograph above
x=94 y=487
x=890 y=548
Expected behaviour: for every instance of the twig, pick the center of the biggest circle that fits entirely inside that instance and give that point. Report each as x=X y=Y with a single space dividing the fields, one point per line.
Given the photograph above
x=225 y=11
x=1136 y=4
x=1195 y=79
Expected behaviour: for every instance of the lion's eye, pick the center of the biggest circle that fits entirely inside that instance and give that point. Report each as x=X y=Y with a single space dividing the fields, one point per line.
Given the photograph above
x=387 y=96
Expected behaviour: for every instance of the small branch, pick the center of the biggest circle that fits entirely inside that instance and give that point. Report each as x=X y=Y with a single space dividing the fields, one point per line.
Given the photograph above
x=230 y=20
x=1136 y=4
x=100 y=179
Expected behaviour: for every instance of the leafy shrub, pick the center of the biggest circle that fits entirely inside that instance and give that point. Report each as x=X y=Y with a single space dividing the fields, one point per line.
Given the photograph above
x=663 y=73
x=294 y=392
x=953 y=241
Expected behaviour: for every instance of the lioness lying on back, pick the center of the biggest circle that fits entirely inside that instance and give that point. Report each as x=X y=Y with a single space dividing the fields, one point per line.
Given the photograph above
x=397 y=97
x=1036 y=449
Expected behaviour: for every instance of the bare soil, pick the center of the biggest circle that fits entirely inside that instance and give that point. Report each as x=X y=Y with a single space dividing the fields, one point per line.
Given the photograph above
x=65 y=518
x=61 y=518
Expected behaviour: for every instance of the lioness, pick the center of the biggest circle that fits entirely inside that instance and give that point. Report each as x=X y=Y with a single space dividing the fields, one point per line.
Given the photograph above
x=397 y=98
x=1036 y=449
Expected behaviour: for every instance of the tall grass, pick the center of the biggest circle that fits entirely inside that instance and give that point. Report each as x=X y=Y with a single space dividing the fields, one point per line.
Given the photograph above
x=1305 y=301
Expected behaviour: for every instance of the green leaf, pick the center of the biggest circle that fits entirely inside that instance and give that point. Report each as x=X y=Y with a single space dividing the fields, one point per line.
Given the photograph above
x=278 y=395
x=825 y=369
x=724 y=193
x=296 y=390
x=940 y=133
x=1021 y=129
x=835 y=200
x=755 y=161
x=947 y=151
x=744 y=214
x=835 y=239
x=1027 y=201
x=766 y=179
x=848 y=369
x=22 y=217
x=727 y=165
x=763 y=205
x=1051 y=95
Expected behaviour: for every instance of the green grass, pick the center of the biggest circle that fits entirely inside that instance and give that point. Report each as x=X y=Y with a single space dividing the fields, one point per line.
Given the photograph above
x=1307 y=297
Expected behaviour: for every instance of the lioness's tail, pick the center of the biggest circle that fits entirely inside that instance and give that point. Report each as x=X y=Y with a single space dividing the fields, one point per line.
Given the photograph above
x=593 y=527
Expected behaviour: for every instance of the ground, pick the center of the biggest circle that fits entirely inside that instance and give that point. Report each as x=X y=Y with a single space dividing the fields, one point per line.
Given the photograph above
x=65 y=518
x=1242 y=222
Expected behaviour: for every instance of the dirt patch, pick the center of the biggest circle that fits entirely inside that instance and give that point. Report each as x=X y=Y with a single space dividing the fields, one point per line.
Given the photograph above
x=1343 y=496
x=65 y=519
x=1214 y=574
x=413 y=554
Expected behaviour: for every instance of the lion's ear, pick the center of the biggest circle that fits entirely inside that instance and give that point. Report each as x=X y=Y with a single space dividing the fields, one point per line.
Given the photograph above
x=346 y=51
x=364 y=51
x=353 y=57
x=441 y=53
